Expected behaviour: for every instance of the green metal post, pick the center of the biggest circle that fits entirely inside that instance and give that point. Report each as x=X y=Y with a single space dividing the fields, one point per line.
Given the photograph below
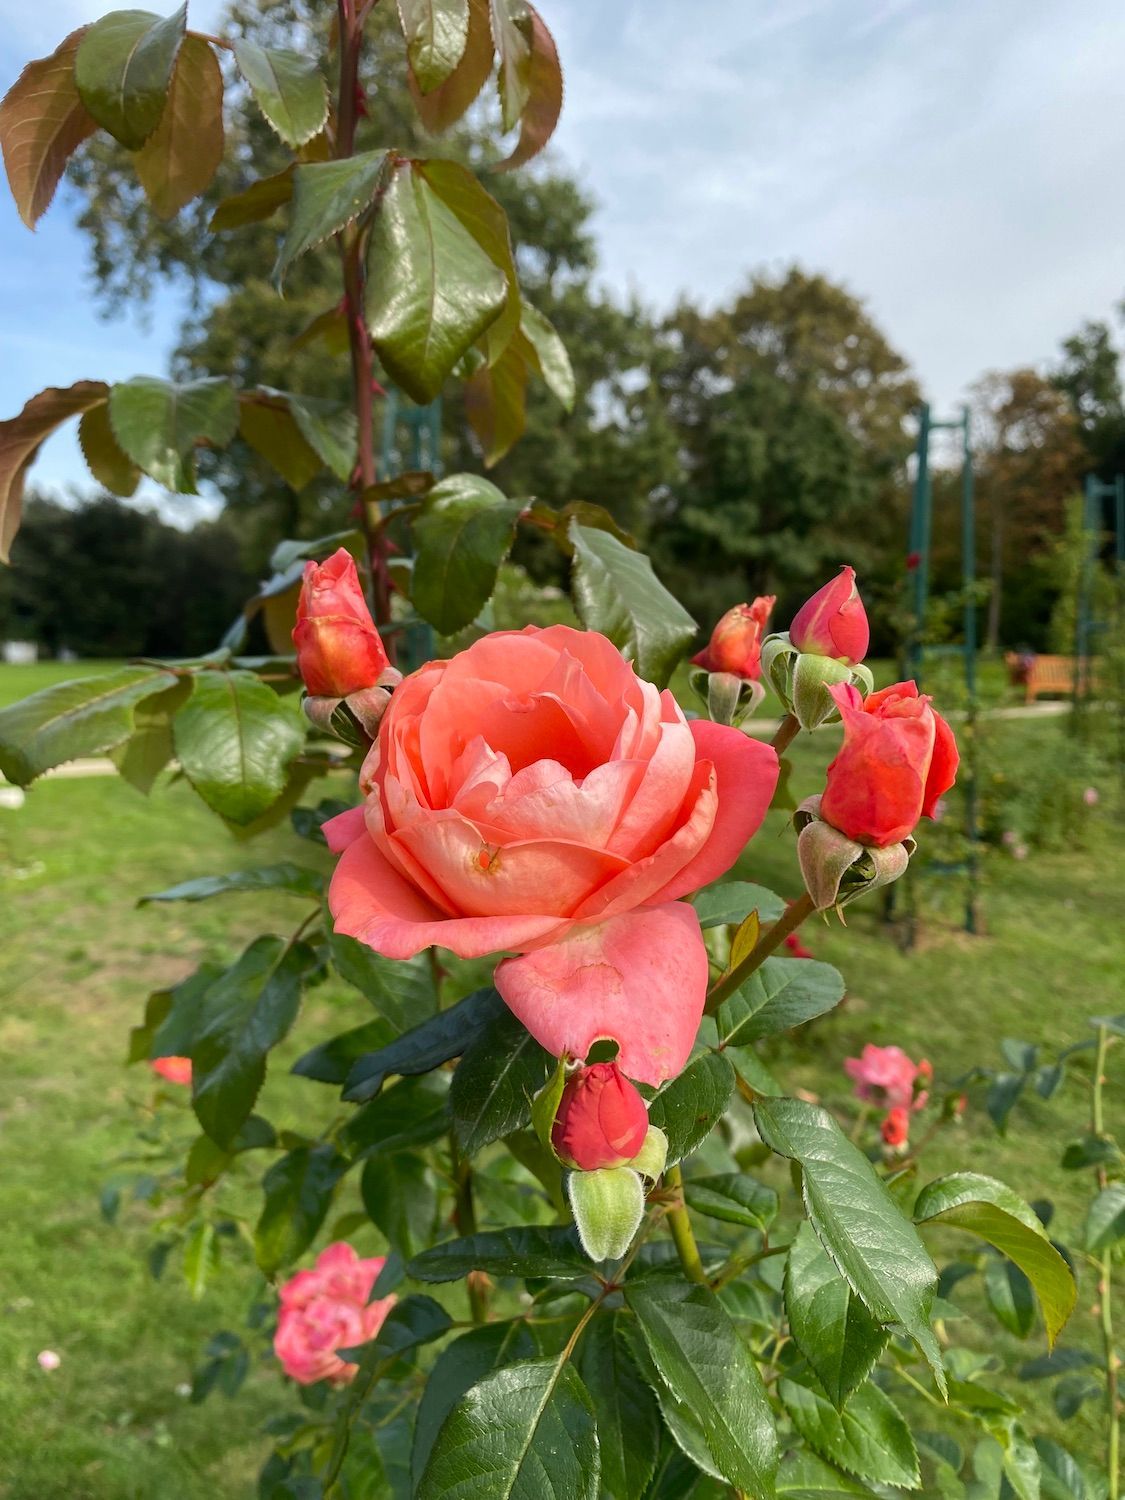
x=420 y=450
x=1090 y=500
x=968 y=587
x=920 y=541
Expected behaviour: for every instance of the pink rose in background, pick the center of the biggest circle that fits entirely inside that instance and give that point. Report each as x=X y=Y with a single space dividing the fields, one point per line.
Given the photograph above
x=534 y=795
x=174 y=1069
x=1090 y=796
x=326 y=1309
x=884 y=1076
x=736 y=641
x=833 y=622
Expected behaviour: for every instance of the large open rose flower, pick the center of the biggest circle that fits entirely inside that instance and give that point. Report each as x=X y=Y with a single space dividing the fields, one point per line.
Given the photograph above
x=326 y=1309
x=534 y=795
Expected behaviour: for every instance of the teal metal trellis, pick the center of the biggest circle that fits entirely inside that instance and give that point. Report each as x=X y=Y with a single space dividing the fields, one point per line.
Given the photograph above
x=921 y=517
x=411 y=442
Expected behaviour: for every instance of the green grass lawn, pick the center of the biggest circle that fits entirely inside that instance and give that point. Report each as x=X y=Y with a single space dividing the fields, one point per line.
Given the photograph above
x=79 y=958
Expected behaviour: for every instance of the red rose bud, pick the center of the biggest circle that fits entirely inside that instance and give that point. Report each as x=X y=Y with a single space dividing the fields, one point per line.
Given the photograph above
x=338 y=648
x=897 y=759
x=895 y=1128
x=796 y=947
x=736 y=641
x=833 y=622
x=601 y=1120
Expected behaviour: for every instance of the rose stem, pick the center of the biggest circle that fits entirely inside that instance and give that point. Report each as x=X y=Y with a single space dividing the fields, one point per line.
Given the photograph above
x=682 y=1233
x=790 y=919
x=787 y=730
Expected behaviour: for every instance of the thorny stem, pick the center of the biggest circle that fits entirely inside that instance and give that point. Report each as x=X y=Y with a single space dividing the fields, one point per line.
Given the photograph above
x=772 y=938
x=350 y=241
x=682 y=1233
x=788 y=730
x=465 y=1218
x=1105 y=1287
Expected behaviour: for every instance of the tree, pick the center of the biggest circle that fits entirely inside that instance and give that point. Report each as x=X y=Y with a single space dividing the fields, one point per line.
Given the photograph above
x=1088 y=372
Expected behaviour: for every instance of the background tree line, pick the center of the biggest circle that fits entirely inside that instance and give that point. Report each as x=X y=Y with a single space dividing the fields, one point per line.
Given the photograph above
x=742 y=446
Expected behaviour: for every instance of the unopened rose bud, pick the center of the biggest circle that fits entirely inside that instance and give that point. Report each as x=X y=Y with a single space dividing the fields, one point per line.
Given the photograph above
x=338 y=648
x=895 y=1128
x=736 y=641
x=833 y=622
x=601 y=1120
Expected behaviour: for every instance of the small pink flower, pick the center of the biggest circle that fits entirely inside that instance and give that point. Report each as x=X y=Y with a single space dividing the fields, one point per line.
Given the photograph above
x=883 y=1076
x=1019 y=851
x=326 y=1309
x=47 y=1359
x=174 y=1069
x=1090 y=796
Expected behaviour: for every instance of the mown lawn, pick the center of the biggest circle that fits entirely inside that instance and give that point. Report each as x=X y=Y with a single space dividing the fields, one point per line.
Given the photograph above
x=78 y=959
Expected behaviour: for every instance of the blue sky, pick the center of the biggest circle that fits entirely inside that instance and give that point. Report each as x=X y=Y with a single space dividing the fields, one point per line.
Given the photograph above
x=956 y=162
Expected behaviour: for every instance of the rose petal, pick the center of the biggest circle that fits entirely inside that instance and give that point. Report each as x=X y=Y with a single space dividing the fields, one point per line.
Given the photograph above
x=639 y=979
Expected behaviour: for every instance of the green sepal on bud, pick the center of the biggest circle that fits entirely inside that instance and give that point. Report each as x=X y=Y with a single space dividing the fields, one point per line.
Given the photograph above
x=801 y=680
x=729 y=698
x=608 y=1206
x=545 y=1106
x=651 y=1159
x=837 y=869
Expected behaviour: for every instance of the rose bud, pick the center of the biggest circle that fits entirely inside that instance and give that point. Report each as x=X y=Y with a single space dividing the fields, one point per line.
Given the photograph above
x=338 y=648
x=833 y=622
x=736 y=641
x=172 y=1069
x=897 y=759
x=601 y=1120
x=896 y=1126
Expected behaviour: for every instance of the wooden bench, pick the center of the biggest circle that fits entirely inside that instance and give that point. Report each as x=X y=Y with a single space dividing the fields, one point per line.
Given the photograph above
x=1042 y=674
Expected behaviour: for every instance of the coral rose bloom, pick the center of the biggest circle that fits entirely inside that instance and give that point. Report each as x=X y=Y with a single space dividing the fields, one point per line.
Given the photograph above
x=534 y=795
x=326 y=1309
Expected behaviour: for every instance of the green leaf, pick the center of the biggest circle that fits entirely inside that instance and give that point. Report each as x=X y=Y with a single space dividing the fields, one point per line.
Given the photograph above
x=689 y=1107
x=781 y=994
x=543 y=105
x=415 y=1320
x=158 y=424
x=993 y=1212
x=235 y=739
x=499 y=1074
x=280 y=877
x=803 y=1476
x=496 y=402
x=830 y=1325
x=869 y=1438
x=525 y=1432
x=444 y=106
x=616 y=592
x=73 y=719
x=112 y=468
x=287 y=88
x=239 y=1017
x=628 y=1416
x=331 y=1061
x=412 y=1113
x=141 y=758
x=443 y=1036
x=511 y=32
x=327 y=196
x=549 y=352
x=174 y=1013
x=299 y=1190
x=701 y=1358
x=432 y=289
x=436 y=32
x=856 y=1219
x=259 y=201
x=42 y=123
x=461 y=537
x=1058 y=1362
x=185 y=150
x=733 y=1197
x=401 y=1200
x=478 y=212
x=460 y=1365
x=1010 y=1296
x=530 y=1250
x=1089 y=1151
x=1060 y=1476
x=1105 y=1222
x=20 y=440
x=123 y=69
x=201 y=1258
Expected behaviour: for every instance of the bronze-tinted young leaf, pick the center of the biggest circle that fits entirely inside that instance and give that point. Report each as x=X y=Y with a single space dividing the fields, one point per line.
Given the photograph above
x=179 y=159
x=327 y=196
x=112 y=468
x=617 y=592
x=86 y=717
x=123 y=69
x=158 y=423
x=287 y=87
x=462 y=536
x=540 y=113
x=432 y=289
x=235 y=739
x=21 y=436
x=42 y=122
x=329 y=328
x=496 y=402
x=436 y=32
x=511 y=34
x=479 y=212
x=548 y=354
x=257 y=202
x=267 y=424
x=444 y=105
